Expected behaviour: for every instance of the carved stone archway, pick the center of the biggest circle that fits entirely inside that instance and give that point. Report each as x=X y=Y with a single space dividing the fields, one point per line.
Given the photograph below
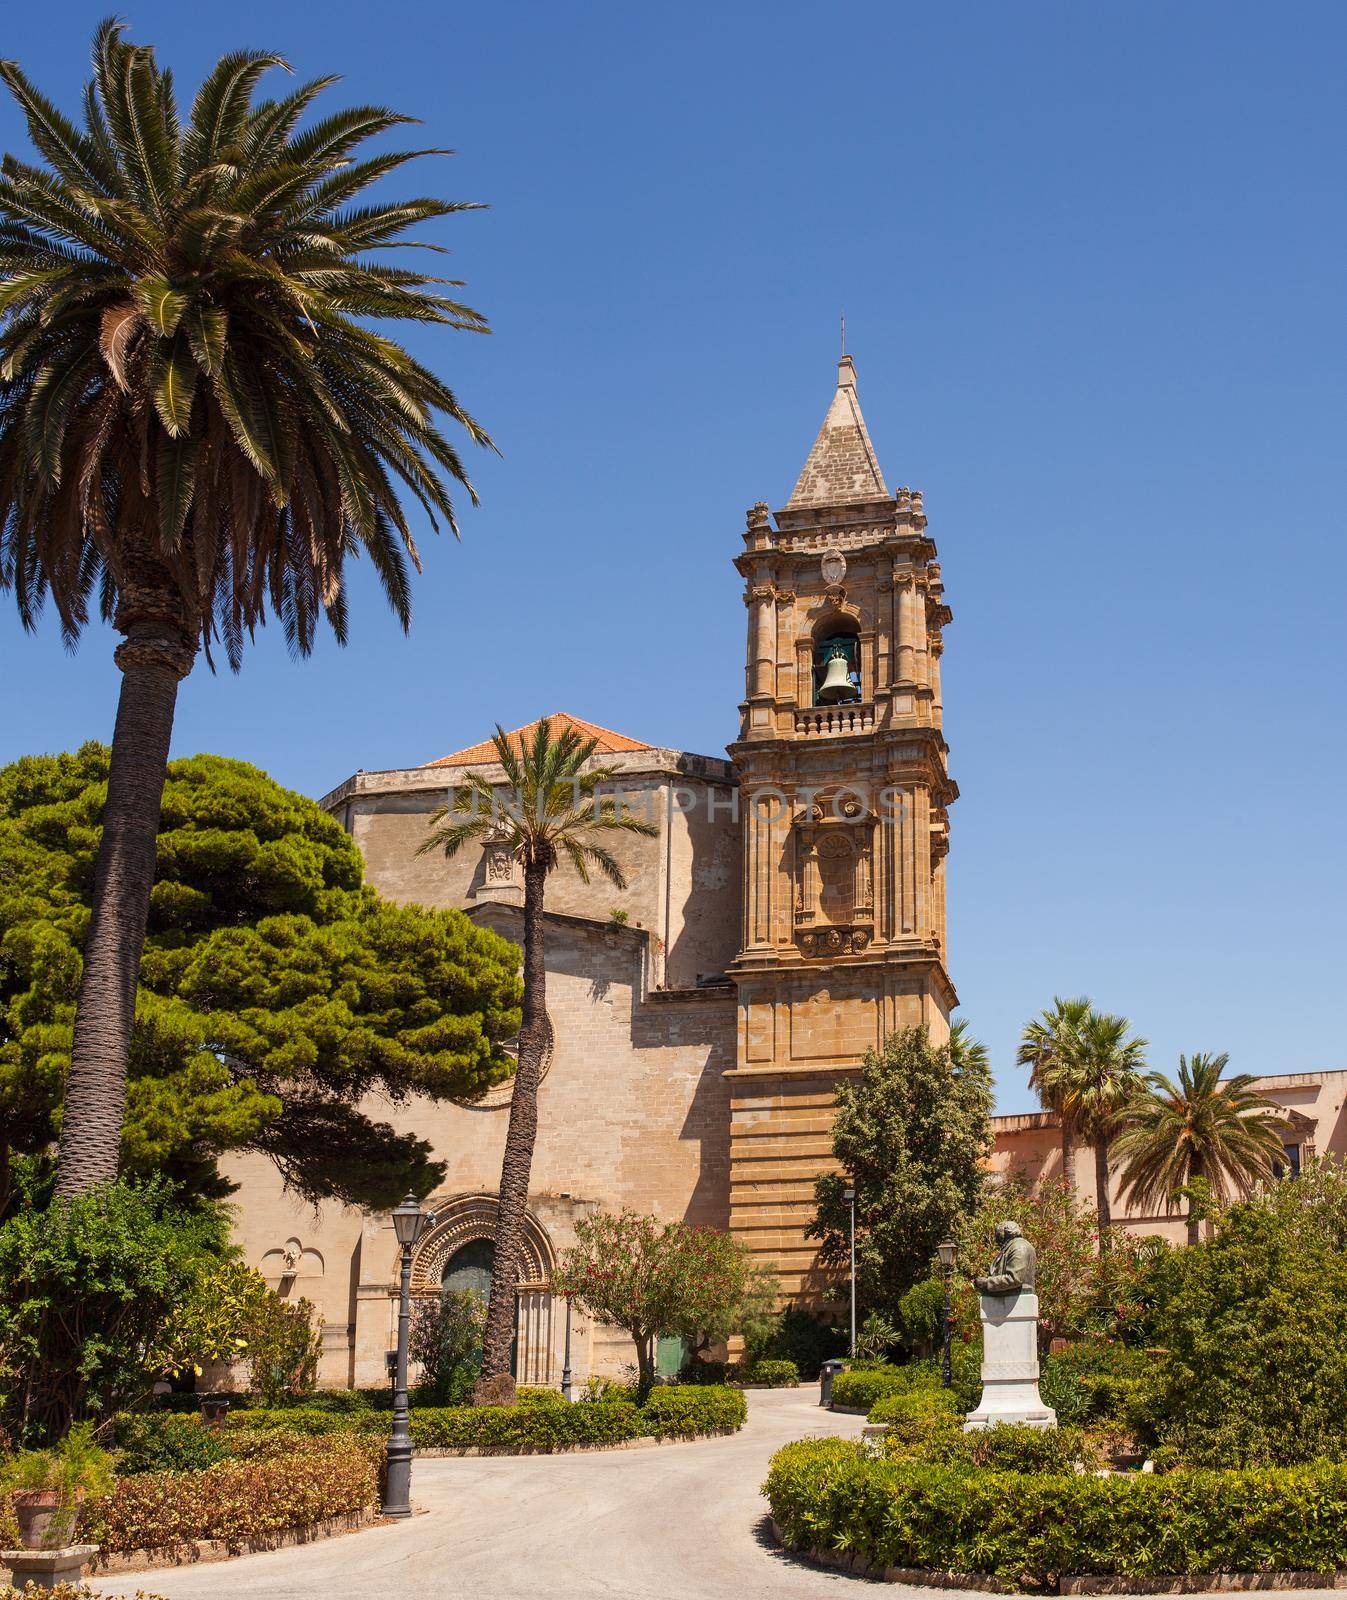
x=473 y=1216
x=460 y=1221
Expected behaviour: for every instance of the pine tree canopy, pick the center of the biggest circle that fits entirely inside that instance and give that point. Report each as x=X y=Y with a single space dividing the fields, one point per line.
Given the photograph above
x=282 y=1004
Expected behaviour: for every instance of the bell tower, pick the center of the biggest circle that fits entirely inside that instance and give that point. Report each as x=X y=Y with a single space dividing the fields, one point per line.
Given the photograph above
x=844 y=806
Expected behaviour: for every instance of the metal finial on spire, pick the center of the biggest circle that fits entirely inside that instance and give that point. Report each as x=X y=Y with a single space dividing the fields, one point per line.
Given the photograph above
x=844 y=333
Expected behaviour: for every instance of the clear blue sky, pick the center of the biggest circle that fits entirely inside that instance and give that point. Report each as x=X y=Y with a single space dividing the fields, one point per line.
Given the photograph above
x=1091 y=259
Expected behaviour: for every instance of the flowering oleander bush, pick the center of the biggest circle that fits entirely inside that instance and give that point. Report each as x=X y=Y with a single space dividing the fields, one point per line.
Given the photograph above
x=235 y=1501
x=682 y=1413
x=1029 y=1528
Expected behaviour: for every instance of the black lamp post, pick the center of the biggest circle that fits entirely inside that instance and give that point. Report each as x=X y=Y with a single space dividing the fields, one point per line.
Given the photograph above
x=849 y=1195
x=946 y=1253
x=409 y=1224
x=567 y=1377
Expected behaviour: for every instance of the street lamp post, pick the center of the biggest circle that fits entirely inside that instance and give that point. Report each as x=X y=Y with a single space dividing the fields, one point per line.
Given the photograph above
x=849 y=1195
x=567 y=1378
x=946 y=1254
x=409 y=1224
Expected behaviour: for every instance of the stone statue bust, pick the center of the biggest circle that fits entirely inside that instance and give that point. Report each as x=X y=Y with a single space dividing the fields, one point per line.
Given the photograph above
x=1015 y=1266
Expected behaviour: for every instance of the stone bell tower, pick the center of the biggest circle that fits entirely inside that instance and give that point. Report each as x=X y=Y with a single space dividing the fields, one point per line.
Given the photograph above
x=844 y=808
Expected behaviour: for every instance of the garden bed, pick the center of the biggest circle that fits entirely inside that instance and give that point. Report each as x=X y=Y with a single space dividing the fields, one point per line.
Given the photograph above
x=1061 y=1531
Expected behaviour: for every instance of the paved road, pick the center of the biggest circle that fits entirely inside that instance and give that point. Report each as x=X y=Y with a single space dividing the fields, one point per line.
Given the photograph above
x=680 y=1522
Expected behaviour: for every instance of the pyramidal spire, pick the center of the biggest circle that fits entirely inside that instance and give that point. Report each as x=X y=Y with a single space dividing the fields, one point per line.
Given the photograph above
x=841 y=469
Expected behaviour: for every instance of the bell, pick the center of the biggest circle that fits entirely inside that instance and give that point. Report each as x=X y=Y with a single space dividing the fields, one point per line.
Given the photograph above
x=836 y=684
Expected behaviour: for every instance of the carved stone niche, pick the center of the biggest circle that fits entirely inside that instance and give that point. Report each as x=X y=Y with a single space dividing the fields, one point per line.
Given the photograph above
x=499 y=879
x=834 y=877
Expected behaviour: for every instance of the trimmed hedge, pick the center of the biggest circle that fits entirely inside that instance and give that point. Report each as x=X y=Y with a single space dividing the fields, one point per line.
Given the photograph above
x=683 y=1413
x=537 y=1423
x=861 y=1388
x=236 y=1501
x=526 y=1428
x=1028 y=1529
x=768 y=1374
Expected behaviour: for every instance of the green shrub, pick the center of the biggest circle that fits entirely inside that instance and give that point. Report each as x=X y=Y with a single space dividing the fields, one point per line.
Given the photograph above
x=1255 y=1333
x=1095 y=1381
x=340 y=1401
x=540 y=1397
x=771 y=1374
x=164 y=1441
x=1028 y=1528
x=681 y=1412
x=235 y=1501
x=528 y=1428
x=1016 y=1447
x=918 y=1419
x=858 y=1389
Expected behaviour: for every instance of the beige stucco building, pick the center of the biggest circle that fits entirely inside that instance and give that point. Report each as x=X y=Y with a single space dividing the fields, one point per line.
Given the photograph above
x=788 y=914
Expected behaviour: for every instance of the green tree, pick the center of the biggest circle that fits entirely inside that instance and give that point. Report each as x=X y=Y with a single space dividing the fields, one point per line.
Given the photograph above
x=1095 y=1076
x=1042 y=1050
x=277 y=991
x=88 y=1291
x=650 y=1278
x=549 y=809
x=912 y=1133
x=196 y=426
x=446 y=1341
x=1064 y=1234
x=1255 y=1339
x=1202 y=1130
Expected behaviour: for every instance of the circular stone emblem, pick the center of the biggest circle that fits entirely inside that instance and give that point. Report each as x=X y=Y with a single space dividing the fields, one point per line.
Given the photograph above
x=834 y=566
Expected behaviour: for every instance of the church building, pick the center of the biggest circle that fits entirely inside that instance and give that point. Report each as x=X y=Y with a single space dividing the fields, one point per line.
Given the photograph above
x=788 y=916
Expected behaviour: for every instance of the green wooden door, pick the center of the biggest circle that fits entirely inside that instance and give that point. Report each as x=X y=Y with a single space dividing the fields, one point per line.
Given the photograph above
x=670 y=1354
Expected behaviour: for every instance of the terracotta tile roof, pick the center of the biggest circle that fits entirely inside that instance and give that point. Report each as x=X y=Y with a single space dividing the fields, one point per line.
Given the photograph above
x=606 y=741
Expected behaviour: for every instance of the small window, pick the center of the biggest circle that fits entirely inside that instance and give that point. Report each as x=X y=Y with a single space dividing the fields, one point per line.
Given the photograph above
x=837 y=669
x=1291 y=1166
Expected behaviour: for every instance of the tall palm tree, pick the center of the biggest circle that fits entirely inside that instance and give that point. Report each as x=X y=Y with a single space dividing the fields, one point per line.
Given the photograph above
x=1097 y=1076
x=1042 y=1050
x=551 y=809
x=967 y=1053
x=195 y=425
x=1201 y=1128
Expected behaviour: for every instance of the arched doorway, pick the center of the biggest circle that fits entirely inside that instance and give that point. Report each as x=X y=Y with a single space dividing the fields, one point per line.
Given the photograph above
x=459 y=1253
x=470 y=1267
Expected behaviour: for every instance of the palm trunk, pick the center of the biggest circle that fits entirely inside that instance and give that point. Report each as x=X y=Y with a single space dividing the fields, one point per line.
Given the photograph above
x=1068 y=1156
x=1103 y=1203
x=1194 y=1217
x=95 y=1096
x=519 y=1137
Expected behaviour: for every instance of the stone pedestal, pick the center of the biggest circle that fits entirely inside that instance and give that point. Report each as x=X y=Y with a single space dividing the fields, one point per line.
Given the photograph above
x=46 y=1569
x=1010 y=1363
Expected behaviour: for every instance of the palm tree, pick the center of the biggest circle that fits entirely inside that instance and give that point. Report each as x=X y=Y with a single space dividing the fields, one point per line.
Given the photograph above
x=1041 y=1049
x=1097 y=1076
x=967 y=1053
x=195 y=425
x=1201 y=1129
x=552 y=808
